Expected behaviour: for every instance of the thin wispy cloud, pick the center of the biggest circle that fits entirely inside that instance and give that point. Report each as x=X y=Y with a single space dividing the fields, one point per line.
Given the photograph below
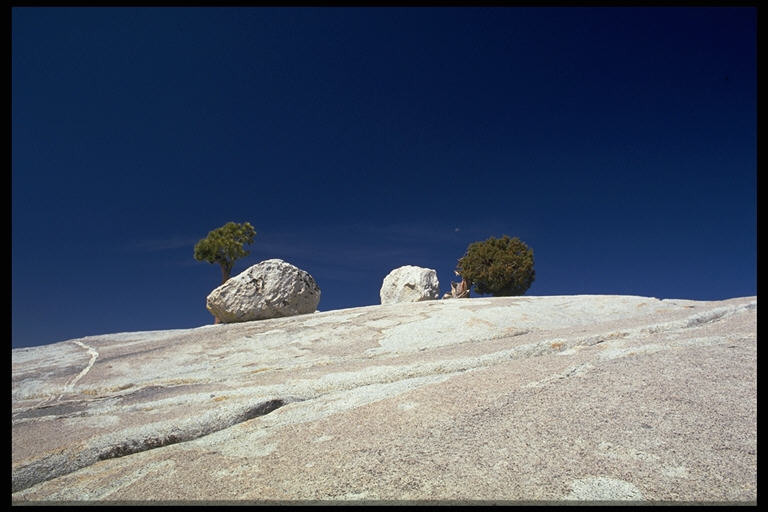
x=345 y=245
x=353 y=243
x=164 y=244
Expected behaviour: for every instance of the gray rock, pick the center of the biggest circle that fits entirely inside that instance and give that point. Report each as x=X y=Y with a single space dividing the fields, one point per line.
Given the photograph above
x=409 y=284
x=270 y=289
x=561 y=398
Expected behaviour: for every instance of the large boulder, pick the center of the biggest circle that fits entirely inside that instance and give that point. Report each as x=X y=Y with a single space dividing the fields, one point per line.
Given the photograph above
x=270 y=289
x=410 y=284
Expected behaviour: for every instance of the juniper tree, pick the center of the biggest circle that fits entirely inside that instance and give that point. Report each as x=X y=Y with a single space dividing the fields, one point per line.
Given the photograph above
x=224 y=246
x=499 y=266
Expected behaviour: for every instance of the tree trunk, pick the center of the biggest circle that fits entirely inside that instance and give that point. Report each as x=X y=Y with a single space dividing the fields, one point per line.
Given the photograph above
x=224 y=273
x=225 y=270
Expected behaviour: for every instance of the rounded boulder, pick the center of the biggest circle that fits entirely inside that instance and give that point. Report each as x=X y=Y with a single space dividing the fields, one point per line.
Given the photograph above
x=270 y=289
x=410 y=284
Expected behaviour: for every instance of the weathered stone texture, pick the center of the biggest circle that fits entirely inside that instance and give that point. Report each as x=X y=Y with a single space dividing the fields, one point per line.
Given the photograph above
x=409 y=284
x=270 y=289
x=515 y=398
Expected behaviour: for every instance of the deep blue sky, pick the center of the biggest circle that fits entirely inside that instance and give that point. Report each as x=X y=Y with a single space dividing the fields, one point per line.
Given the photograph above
x=619 y=143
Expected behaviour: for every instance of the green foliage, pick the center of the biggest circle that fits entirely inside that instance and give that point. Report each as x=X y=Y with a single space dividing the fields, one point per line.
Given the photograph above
x=224 y=246
x=499 y=266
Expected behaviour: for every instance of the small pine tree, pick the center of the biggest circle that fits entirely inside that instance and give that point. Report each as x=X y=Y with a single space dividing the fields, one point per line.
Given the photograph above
x=499 y=266
x=224 y=246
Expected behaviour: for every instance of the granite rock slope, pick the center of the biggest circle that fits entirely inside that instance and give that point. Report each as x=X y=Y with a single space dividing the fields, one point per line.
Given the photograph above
x=525 y=398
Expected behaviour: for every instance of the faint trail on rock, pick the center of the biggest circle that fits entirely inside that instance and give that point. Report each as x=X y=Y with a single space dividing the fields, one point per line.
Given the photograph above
x=36 y=406
x=69 y=386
